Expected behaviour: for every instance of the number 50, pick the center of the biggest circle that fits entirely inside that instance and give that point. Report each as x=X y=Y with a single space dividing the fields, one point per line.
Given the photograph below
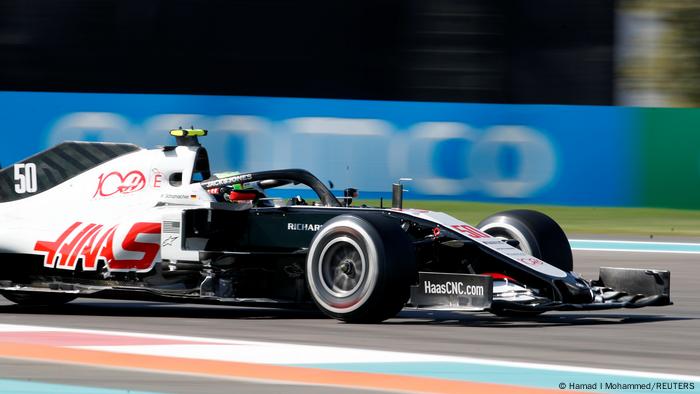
x=25 y=176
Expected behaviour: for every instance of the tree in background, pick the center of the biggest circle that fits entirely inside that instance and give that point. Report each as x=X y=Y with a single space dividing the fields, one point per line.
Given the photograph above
x=658 y=53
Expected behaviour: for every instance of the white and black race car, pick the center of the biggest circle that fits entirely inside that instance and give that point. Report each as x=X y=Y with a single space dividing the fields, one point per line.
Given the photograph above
x=108 y=220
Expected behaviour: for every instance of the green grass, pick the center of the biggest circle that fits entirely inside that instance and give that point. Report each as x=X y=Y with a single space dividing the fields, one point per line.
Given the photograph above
x=590 y=220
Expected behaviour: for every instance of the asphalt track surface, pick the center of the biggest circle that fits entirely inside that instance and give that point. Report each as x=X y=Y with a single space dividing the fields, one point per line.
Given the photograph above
x=662 y=340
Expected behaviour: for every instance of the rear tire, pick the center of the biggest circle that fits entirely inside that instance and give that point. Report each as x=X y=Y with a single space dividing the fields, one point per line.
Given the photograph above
x=358 y=271
x=28 y=298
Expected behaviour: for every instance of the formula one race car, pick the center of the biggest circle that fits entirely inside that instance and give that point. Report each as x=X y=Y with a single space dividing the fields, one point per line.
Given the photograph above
x=107 y=220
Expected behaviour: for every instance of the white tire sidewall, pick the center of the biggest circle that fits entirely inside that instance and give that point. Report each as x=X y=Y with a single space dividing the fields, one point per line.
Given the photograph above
x=365 y=290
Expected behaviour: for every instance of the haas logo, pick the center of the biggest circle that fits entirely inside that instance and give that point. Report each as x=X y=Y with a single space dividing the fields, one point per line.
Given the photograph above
x=117 y=183
x=91 y=243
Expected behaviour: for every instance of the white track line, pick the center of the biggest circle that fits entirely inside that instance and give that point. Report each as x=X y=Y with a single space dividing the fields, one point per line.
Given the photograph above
x=634 y=246
x=636 y=242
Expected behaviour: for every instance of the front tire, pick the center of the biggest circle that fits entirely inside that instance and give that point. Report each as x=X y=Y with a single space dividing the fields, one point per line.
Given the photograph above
x=357 y=271
x=538 y=235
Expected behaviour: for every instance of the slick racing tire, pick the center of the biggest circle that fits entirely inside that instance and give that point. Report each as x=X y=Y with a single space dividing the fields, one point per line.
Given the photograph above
x=537 y=234
x=358 y=270
x=28 y=298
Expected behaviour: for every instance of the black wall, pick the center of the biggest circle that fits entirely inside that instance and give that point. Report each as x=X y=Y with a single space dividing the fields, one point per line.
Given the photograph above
x=517 y=51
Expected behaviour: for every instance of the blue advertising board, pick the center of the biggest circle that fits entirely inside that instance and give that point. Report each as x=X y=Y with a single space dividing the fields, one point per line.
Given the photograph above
x=573 y=155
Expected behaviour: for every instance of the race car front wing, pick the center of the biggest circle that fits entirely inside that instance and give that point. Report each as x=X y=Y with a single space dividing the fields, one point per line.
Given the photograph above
x=615 y=288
